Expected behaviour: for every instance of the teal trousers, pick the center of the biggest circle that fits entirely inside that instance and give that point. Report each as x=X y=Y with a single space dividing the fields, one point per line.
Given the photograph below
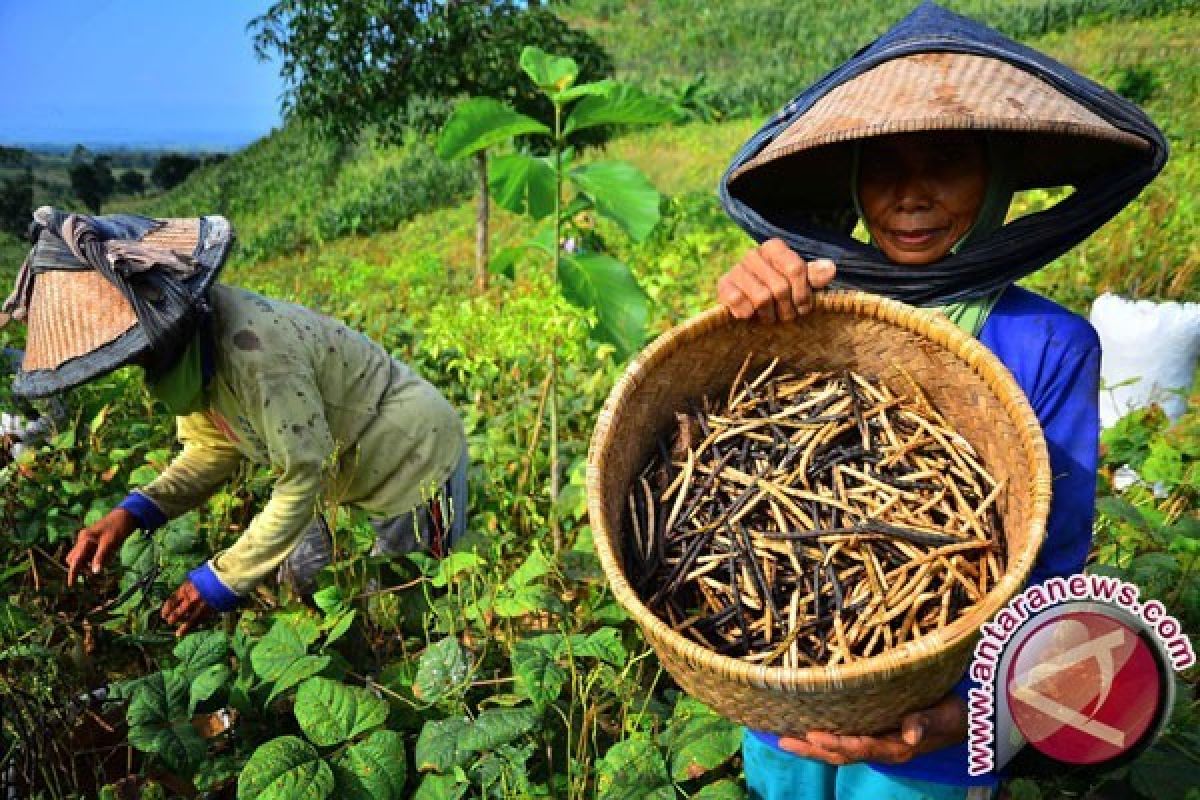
x=775 y=775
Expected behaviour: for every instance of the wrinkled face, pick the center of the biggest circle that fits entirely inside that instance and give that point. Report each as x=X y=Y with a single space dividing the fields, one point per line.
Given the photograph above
x=921 y=192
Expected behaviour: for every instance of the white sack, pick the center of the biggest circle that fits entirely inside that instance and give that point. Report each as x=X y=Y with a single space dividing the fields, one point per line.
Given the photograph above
x=1151 y=348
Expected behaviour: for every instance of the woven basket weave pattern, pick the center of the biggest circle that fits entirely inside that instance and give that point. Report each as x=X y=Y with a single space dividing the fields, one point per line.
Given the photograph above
x=889 y=341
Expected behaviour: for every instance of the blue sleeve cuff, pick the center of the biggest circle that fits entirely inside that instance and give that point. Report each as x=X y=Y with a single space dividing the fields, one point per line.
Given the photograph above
x=148 y=515
x=213 y=589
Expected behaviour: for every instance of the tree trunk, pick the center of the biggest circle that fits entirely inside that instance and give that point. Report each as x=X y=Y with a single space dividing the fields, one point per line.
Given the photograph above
x=481 y=225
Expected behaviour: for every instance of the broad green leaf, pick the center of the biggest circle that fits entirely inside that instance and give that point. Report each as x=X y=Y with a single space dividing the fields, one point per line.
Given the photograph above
x=198 y=651
x=373 y=769
x=620 y=105
x=299 y=670
x=604 y=644
x=526 y=600
x=205 y=683
x=621 y=193
x=535 y=665
x=1118 y=509
x=444 y=744
x=139 y=553
x=523 y=184
x=286 y=768
x=441 y=787
x=160 y=721
x=454 y=565
x=504 y=261
x=533 y=567
x=443 y=668
x=217 y=772
x=633 y=770
x=603 y=284
x=330 y=713
x=480 y=123
x=497 y=726
x=281 y=657
x=1163 y=772
x=340 y=626
x=549 y=73
x=329 y=600
x=575 y=92
x=439 y=742
x=699 y=740
x=724 y=789
x=180 y=536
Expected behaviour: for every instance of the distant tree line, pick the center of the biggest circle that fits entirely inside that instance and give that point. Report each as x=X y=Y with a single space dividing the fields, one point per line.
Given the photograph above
x=93 y=178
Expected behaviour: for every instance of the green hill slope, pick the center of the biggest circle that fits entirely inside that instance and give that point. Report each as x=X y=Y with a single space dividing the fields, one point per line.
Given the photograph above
x=756 y=54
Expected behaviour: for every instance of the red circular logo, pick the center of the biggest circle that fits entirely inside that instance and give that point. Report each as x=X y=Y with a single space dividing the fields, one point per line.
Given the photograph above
x=1084 y=688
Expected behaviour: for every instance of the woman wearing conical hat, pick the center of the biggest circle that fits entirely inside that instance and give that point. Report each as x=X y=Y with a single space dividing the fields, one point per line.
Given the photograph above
x=251 y=380
x=923 y=137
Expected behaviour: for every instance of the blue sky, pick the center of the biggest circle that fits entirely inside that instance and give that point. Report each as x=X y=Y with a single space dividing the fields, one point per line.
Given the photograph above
x=163 y=73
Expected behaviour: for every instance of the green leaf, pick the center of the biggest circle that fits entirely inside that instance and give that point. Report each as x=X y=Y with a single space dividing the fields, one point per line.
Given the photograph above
x=1164 y=773
x=281 y=657
x=535 y=665
x=1119 y=509
x=160 y=722
x=479 y=123
x=699 y=740
x=340 y=626
x=286 y=768
x=604 y=644
x=523 y=184
x=582 y=90
x=301 y=669
x=1163 y=465
x=441 y=787
x=330 y=713
x=724 y=789
x=373 y=769
x=453 y=565
x=447 y=743
x=633 y=770
x=622 y=193
x=533 y=567
x=622 y=104
x=443 y=668
x=438 y=744
x=198 y=651
x=548 y=72
x=205 y=683
x=526 y=600
x=504 y=261
x=605 y=285
x=139 y=553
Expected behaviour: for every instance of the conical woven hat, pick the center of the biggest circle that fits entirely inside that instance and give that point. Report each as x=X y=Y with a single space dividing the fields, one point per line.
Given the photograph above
x=75 y=312
x=950 y=91
x=81 y=324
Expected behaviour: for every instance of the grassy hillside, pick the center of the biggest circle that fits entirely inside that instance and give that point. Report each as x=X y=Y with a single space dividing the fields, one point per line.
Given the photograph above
x=756 y=54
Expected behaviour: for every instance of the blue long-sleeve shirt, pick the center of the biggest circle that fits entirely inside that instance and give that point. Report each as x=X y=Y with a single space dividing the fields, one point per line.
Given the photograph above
x=1054 y=355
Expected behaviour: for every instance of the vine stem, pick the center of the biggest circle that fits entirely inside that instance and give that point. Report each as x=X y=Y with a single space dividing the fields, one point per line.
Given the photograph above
x=555 y=528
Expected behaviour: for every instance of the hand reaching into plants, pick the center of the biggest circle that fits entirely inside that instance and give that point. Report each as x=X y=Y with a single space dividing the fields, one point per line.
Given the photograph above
x=941 y=725
x=185 y=608
x=96 y=543
x=773 y=282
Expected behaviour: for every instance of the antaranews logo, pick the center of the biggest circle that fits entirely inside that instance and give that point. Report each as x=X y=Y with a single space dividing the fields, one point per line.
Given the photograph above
x=1080 y=667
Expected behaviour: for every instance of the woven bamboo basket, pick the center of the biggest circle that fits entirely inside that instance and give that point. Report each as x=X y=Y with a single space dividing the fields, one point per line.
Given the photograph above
x=880 y=338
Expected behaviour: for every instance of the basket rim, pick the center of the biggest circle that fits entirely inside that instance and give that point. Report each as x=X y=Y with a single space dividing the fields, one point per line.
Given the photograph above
x=912 y=656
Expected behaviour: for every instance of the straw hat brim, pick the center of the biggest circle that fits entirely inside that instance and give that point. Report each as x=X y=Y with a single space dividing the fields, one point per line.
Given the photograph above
x=1060 y=142
x=80 y=326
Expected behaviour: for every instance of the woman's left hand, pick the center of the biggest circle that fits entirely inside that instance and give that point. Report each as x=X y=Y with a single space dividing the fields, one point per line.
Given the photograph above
x=939 y=726
x=185 y=608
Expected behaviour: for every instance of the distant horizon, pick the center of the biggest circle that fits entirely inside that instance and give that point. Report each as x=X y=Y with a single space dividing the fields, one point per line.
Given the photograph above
x=186 y=72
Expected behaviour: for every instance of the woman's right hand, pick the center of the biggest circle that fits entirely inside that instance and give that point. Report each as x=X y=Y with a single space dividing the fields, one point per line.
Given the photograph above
x=96 y=543
x=773 y=283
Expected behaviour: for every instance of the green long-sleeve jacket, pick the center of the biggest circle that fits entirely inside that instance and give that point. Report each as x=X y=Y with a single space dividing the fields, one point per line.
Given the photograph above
x=326 y=408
